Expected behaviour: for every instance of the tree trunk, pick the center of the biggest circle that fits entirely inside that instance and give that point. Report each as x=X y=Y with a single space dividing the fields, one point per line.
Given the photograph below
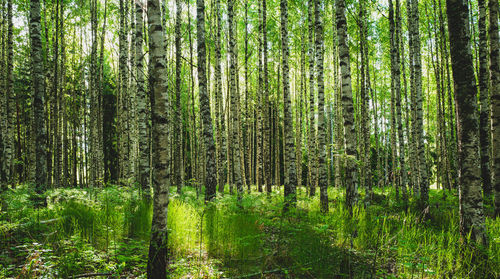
x=157 y=261
x=416 y=87
x=260 y=107
x=123 y=95
x=38 y=86
x=495 y=98
x=471 y=203
x=364 y=99
x=141 y=98
x=484 y=114
x=193 y=161
x=351 y=171
x=177 y=115
x=311 y=141
x=10 y=98
x=219 y=106
x=235 y=138
x=211 y=172
x=266 y=153
x=290 y=169
x=63 y=110
x=322 y=155
x=246 y=128
x=396 y=74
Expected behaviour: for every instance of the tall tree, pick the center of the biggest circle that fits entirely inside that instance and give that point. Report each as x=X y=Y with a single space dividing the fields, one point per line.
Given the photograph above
x=339 y=127
x=38 y=87
x=9 y=99
x=396 y=88
x=94 y=99
x=123 y=98
x=311 y=141
x=290 y=169
x=364 y=100
x=246 y=127
x=351 y=171
x=260 y=107
x=219 y=105
x=322 y=155
x=63 y=111
x=471 y=203
x=495 y=98
x=235 y=138
x=100 y=111
x=416 y=90
x=3 y=108
x=206 y=118
x=158 y=78
x=484 y=106
x=266 y=145
x=54 y=103
x=177 y=115
x=142 y=113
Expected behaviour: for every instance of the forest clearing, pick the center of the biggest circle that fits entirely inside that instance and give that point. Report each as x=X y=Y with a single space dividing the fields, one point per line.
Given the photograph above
x=249 y=139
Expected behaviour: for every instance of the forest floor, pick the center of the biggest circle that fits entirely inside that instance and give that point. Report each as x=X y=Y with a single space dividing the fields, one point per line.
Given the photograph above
x=106 y=231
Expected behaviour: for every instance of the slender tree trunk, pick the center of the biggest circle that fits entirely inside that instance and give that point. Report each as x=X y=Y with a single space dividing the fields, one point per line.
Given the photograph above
x=259 y=168
x=74 y=121
x=298 y=118
x=416 y=87
x=245 y=124
x=311 y=148
x=157 y=261
x=3 y=104
x=142 y=112
x=396 y=73
x=266 y=153
x=351 y=171
x=54 y=131
x=290 y=169
x=63 y=110
x=103 y=160
x=177 y=115
x=132 y=99
x=9 y=99
x=211 y=172
x=219 y=106
x=471 y=203
x=322 y=155
x=339 y=127
x=38 y=86
x=124 y=95
x=238 y=116
x=364 y=99
x=235 y=141
x=484 y=115
x=495 y=98
x=193 y=163
x=376 y=155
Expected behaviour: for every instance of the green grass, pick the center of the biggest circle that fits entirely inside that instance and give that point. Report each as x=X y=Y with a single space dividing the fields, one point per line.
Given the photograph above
x=108 y=231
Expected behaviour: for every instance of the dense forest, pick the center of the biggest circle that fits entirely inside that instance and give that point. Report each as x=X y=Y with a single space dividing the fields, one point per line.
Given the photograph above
x=249 y=139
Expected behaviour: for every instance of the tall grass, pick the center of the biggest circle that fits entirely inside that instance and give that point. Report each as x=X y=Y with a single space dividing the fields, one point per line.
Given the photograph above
x=110 y=231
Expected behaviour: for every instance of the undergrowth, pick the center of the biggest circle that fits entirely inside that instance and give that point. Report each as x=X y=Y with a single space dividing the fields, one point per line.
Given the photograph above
x=107 y=231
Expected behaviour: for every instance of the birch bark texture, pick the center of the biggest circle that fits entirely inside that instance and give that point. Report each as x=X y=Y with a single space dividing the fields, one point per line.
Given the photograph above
x=158 y=76
x=290 y=169
x=205 y=116
x=470 y=191
x=351 y=156
x=38 y=85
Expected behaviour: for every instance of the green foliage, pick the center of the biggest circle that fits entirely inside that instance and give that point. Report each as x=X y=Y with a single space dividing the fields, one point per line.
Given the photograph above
x=107 y=230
